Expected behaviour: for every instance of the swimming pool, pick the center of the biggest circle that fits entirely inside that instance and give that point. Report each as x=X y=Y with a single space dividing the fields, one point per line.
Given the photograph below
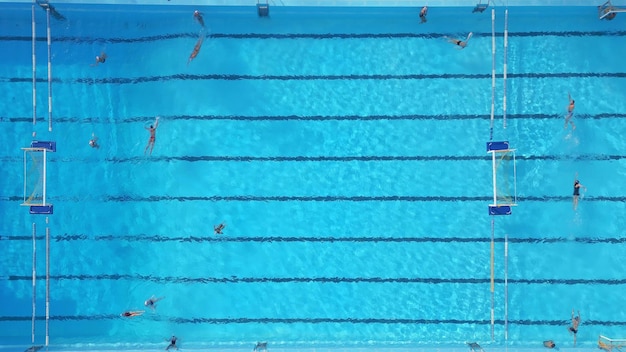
x=345 y=151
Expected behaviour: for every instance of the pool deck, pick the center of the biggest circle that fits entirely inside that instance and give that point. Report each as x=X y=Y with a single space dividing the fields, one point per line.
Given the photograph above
x=333 y=3
x=487 y=348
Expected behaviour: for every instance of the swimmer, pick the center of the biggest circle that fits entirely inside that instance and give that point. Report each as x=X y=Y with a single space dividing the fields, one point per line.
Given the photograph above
x=549 y=344
x=260 y=346
x=570 y=112
x=93 y=142
x=196 y=49
x=151 y=302
x=423 y=14
x=152 y=130
x=460 y=43
x=198 y=16
x=218 y=228
x=172 y=342
x=102 y=58
x=575 y=322
x=130 y=314
x=577 y=186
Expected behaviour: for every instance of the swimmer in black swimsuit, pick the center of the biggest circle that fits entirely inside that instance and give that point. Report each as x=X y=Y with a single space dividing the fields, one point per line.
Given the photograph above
x=219 y=228
x=423 y=14
x=172 y=342
x=460 y=43
x=100 y=59
x=198 y=16
x=575 y=322
x=130 y=314
x=549 y=344
x=577 y=186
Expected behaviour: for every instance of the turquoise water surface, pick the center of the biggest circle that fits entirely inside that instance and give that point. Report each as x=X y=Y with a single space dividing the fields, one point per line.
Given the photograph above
x=345 y=151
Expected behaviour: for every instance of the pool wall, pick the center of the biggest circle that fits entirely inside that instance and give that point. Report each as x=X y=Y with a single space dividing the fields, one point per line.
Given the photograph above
x=368 y=3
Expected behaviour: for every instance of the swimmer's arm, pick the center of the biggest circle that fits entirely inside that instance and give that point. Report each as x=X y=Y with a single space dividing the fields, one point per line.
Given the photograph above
x=156 y=123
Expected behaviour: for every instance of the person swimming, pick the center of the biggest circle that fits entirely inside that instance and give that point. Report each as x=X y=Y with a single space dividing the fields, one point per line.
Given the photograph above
x=460 y=43
x=570 y=112
x=152 y=130
x=577 y=186
x=100 y=59
x=172 y=342
x=93 y=142
x=423 y=14
x=151 y=302
x=575 y=322
x=196 y=49
x=198 y=16
x=130 y=314
x=549 y=344
x=219 y=228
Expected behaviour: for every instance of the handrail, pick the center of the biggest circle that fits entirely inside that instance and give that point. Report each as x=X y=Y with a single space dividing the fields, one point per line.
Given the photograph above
x=492 y=279
x=506 y=287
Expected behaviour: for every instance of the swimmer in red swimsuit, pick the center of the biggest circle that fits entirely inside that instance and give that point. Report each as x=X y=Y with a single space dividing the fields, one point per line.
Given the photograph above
x=152 y=139
x=130 y=314
x=570 y=112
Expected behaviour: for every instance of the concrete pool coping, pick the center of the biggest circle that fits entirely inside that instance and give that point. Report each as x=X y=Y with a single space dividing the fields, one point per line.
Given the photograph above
x=341 y=3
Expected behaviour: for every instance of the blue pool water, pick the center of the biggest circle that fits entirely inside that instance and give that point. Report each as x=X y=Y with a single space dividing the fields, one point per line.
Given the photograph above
x=345 y=151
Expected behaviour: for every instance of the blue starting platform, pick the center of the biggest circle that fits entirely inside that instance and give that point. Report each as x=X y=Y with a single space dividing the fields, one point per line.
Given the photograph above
x=500 y=210
x=47 y=145
x=41 y=209
x=497 y=146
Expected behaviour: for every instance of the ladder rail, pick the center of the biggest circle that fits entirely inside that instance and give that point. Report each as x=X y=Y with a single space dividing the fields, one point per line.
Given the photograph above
x=493 y=72
x=49 y=71
x=506 y=47
x=34 y=39
x=34 y=283
x=492 y=286
x=506 y=287
x=47 y=284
